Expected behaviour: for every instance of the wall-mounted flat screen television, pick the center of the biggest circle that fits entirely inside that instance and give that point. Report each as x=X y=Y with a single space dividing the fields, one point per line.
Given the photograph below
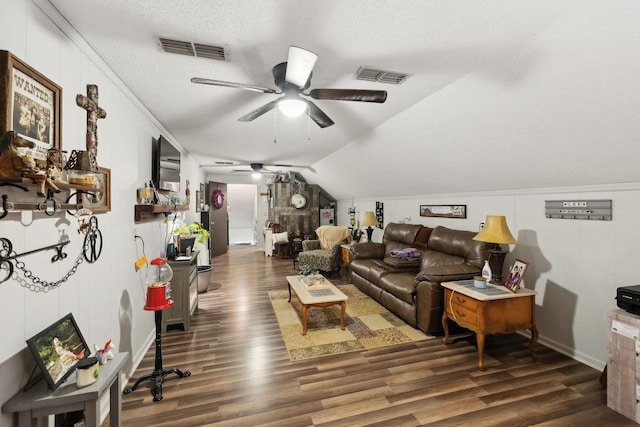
x=165 y=167
x=58 y=349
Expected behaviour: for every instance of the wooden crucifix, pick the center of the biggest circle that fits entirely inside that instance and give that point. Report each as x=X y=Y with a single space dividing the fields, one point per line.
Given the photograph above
x=94 y=112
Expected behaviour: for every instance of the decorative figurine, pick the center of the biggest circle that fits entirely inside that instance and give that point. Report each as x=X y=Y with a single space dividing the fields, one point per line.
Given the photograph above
x=105 y=354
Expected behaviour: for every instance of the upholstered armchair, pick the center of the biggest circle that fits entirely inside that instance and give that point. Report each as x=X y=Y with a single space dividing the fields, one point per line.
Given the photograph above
x=324 y=253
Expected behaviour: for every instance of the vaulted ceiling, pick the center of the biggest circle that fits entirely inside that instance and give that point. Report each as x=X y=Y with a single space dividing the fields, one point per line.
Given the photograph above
x=501 y=94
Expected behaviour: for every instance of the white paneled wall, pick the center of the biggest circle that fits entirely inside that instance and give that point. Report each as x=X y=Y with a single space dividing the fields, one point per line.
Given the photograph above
x=574 y=265
x=106 y=297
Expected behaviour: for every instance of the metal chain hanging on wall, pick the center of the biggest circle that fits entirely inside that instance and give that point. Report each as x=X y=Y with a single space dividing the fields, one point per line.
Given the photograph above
x=91 y=250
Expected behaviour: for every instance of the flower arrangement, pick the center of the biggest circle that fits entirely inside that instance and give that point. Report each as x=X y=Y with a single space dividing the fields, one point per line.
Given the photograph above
x=307 y=270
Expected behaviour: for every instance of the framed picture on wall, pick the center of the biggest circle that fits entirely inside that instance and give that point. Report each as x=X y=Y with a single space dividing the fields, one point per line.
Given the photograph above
x=444 y=211
x=516 y=272
x=30 y=105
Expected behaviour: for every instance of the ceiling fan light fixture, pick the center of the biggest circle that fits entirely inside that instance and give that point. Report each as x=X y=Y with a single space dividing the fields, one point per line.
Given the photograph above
x=256 y=175
x=292 y=107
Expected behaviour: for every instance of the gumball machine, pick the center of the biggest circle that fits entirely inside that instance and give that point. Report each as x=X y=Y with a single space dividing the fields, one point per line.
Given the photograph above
x=158 y=280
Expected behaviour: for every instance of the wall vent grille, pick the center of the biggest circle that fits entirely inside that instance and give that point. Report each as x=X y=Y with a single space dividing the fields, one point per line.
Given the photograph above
x=200 y=50
x=370 y=74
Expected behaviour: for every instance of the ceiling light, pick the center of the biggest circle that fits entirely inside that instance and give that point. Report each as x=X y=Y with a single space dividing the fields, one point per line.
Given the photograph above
x=292 y=107
x=256 y=175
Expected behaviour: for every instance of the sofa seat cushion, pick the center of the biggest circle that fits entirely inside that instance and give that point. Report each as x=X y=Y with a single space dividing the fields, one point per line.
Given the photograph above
x=320 y=259
x=362 y=267
x=400 y=285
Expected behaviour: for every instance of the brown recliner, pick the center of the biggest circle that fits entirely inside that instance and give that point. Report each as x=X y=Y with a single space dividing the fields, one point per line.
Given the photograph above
x=411 y=289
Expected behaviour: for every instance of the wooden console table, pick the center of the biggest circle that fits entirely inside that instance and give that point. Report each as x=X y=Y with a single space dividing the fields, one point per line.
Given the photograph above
x=489 y=311
x=39 y=401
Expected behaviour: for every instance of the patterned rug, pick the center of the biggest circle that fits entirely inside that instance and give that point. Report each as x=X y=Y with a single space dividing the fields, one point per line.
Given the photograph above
x=367 y=325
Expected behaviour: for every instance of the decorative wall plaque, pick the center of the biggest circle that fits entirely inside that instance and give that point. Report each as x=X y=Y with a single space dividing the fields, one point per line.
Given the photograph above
x=578 y=209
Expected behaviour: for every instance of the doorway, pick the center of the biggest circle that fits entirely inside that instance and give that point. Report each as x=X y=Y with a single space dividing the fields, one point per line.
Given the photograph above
x=242 y=214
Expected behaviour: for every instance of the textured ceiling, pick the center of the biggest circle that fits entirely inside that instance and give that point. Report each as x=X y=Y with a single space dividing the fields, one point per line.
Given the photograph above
x=492 y=83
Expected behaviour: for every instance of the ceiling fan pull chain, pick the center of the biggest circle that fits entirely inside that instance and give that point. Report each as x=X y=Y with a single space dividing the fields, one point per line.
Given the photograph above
x=275 y=127
x=308 y=127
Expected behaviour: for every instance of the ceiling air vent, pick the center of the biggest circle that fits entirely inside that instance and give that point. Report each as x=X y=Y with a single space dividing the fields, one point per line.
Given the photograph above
x=193 y=49
x=381 y=76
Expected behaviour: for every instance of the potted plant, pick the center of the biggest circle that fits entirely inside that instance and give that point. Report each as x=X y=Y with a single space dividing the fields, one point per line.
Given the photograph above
x=186 y=234
x=185 y=231
x=311 y=275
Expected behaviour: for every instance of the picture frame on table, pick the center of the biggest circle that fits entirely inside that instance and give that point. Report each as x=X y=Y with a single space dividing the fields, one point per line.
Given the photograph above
x=31 y=106
x=57 y=350
x=444 y=211
x=100 y=201
x=516 y=272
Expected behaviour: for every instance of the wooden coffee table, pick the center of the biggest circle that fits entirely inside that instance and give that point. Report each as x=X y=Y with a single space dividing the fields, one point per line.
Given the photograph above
x=316 y=296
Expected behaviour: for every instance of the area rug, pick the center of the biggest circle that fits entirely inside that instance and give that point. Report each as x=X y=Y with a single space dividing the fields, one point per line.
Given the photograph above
x=367 y=325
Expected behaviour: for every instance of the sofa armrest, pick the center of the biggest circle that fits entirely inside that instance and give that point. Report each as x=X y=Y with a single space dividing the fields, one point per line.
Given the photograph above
x=367 y=250
x=447 y=273
x=310 y=245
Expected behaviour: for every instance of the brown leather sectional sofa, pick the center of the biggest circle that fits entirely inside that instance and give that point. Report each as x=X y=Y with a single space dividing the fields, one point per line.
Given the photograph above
x=411 y=289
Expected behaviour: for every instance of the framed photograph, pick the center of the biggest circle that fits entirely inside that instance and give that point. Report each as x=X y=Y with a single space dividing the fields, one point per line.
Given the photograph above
x=58 y=349
x=198 y=201
x=444 y=211
x=100 y=201
x=516 y=272
x=30 y=105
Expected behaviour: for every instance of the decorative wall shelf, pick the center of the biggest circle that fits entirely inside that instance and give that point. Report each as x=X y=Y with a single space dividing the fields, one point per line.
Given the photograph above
x=149 y=212
x=48 y=205
x=28 y=182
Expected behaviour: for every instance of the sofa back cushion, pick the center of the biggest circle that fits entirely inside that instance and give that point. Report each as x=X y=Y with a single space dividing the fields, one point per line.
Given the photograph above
x=399 y=236
x=457 y=245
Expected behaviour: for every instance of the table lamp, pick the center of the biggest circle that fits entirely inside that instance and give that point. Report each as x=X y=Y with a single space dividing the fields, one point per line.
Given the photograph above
x=495 y=231
x=369 y=221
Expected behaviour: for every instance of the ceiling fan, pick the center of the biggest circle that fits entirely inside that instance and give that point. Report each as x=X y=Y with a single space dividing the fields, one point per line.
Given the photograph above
x=293 y=78
x=257 y=168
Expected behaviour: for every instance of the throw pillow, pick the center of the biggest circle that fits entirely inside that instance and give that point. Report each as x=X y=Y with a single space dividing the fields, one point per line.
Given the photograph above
x=280 y=237
x=422 y=238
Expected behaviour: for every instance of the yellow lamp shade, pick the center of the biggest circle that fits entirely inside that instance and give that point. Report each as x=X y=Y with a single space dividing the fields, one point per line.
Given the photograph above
x=369 y=220
x=495 y=230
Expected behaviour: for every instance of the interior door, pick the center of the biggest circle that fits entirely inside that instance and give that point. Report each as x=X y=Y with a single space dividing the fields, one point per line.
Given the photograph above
x=218 y=218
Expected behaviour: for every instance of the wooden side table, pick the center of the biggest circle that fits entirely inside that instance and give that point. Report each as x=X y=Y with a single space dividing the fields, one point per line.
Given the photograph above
x=39 y=401
x=346 y=257
x=489 y=311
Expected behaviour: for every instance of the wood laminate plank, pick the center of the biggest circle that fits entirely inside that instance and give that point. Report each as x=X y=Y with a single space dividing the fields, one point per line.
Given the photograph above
x=242 y=375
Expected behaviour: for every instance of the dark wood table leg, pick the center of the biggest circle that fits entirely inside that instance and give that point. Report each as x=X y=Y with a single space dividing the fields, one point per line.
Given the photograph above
x=445 y=326
x=344 y=308
x=532 y=344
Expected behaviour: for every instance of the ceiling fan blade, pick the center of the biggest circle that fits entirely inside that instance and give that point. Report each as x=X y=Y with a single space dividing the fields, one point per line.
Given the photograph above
x=350 y=95
x=258 y=111
x=299 y=66
x=318 y=116
x=232 y=84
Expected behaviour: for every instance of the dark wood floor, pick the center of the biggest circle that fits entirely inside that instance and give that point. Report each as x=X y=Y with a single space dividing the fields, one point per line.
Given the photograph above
x=242 y=376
